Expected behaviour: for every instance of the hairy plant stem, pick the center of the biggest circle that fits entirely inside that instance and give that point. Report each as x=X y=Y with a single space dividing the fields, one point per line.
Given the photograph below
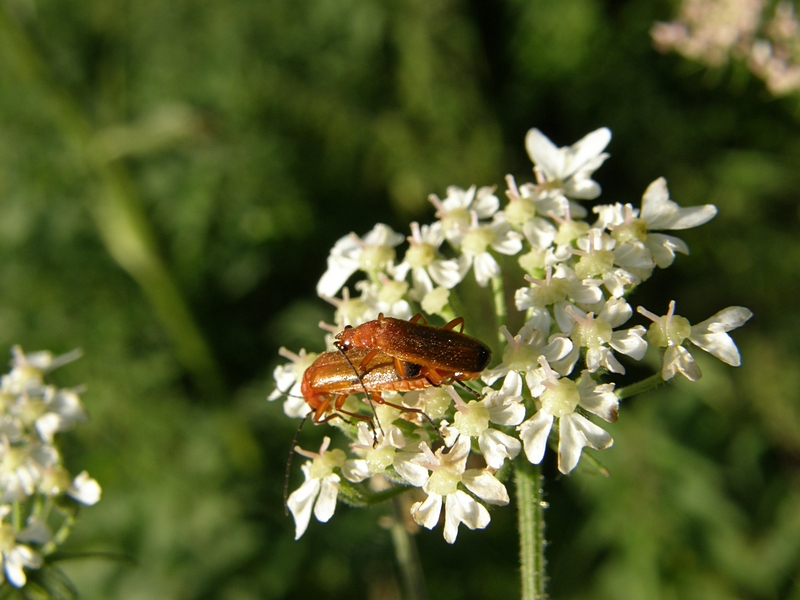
x=640 y=386
x=407 y=556
x=531 y=505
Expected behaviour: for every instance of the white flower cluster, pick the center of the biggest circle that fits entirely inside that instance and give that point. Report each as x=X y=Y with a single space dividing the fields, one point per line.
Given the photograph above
x=574 y=278
x=34 y=514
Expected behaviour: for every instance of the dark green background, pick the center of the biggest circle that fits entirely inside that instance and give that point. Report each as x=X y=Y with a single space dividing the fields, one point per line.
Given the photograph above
x=207 y=154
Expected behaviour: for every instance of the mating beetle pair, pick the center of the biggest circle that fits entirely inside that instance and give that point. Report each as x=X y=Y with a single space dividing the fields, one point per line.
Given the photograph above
x=390 y=354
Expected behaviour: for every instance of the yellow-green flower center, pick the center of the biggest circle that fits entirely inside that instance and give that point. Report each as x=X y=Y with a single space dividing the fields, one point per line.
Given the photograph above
x=458 y=218
x=473 y=421
x=375 y=258
x=443 y=482
x=593 y=335
x=627 y=232
x=520 y=212
x=324 y=465
x=570 y=230
x=560 y=398
x=546 y=293
x=532 y=262
x=478 y=240
x=420 y=255
x=392 y=292
x=669 y=332
x=592 y=264
x=379 y=460
x=520 y=357
x=435 y=301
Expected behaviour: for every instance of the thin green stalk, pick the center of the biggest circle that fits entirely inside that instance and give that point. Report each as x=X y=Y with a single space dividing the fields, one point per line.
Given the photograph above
x=531 y=505
x=407 y=556
x=640 y=386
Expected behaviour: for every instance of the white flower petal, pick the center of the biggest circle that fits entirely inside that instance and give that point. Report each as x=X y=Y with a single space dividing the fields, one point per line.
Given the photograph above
x=326 y=502
x=575 y=432
x=663 y=248
x=678 y=359
x=427 y=513
x=630 y=342
x=15 y=560
x=486 y=268
x=534 y=433
x=496 y=446
x=544 y=154
x=85 y=489
x=598 y=399
x=662 y=213
x=445 y=273
x=461 y=508
x=301 y=503
x=485 y=485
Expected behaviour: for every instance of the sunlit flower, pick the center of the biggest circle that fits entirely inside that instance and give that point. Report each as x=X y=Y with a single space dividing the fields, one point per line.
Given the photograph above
x=15 y=557
x=476 y=241
x=320 y=489
x=456 y=211
x=597 y=335
x=501 y=407
x=523 y=350
x=447 y=467
x=424 y=262
x=288 y=379
x=559 y=398
x=375 y=448
x=374 y=253
x=567 y=172
x=637 y=244
x=671 y=330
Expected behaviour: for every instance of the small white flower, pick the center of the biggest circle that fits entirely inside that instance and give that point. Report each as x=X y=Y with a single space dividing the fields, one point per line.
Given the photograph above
x=447 y=470
x=425 y=263
x=568 y=171
x=671 y=330
x=523 y=350
x=373 y=253
x=476 y=241
x=375 y=448
x=387 y=297
x=15 y=557
x=455 y=211
x=559 y=397
x=597 y=334
x=559 y=286
x=288 y=379
x=22 y=468
x=502 y=407
x=320 y=489
x=637 y=245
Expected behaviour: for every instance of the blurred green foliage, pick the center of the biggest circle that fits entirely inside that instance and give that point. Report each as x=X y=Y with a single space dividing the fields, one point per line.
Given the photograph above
x=173 y=174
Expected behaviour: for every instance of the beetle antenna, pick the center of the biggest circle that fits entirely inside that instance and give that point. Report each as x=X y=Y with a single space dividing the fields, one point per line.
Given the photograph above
x=289 y=468
x=466 y=387
x=366 y=393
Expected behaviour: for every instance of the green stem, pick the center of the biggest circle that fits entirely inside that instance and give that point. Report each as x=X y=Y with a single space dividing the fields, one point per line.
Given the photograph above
x=499 y=300
x=640 y=386
x=531 y=505
x=407 y=556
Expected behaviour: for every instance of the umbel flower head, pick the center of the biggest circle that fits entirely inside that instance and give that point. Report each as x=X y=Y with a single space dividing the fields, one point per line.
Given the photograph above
x=34 y=484
x=546 y=387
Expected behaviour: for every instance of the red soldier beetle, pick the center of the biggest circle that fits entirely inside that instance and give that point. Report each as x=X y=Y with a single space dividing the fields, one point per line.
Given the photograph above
x=443 y=354
x=335 y=375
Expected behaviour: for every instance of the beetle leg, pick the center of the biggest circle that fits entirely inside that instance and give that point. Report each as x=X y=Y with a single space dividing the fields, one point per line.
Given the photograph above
x=417 y=318
x=363 y=366
x=455 y=323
